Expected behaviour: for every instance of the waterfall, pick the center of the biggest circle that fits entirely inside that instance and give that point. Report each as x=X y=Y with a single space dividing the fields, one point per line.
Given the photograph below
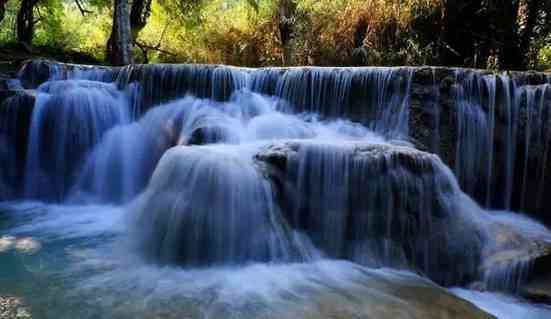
x=69 y=118
x=375 y=96
x=535 y=117
x=218 y=166
x=381 y=205
x=15 y=113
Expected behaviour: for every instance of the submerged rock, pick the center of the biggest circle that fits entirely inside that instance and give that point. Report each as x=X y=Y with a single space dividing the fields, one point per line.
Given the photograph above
x=26 y=245
x=207 y=135
x=13 y=308
x=342 y=290
x=313 y=290
x=6 y=243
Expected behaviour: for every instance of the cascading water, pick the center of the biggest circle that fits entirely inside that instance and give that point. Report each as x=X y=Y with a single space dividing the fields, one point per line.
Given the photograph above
x=474 y=150
x=69 y=118
x=208 y=206
x=382 y=205
x=209 y=191
x=536 y=142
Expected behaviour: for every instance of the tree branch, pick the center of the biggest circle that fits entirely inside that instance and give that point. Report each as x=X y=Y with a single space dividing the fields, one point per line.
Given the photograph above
x=81 y=8
x=157 y=48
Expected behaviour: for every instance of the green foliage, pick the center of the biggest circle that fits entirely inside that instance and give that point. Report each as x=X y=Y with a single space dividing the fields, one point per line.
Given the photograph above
x=50 y=28
x=247 y=32
x=63 y=26
x=544 y=58
x=7 y=26
x=374 y=32
x=218 y=31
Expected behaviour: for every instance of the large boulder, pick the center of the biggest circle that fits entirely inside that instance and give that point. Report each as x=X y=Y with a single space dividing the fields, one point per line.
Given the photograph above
x=378 y=204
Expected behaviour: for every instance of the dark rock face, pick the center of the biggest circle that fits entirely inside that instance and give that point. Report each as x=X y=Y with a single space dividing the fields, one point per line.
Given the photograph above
x=491 y=129
x=206 y=135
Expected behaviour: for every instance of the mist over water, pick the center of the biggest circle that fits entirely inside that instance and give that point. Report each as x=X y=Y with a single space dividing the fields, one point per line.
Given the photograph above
x=255 y=194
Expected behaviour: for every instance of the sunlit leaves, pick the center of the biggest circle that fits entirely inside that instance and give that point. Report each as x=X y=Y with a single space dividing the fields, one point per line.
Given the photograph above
x=335 y=32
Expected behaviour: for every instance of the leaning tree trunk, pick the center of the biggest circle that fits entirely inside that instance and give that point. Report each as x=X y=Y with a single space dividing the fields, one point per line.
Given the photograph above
x=25 y=21
x=119 y=46
x=3 y=9
x=140 y=12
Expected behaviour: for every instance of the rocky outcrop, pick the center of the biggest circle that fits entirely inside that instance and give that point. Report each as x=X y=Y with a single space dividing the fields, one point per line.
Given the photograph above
x=503 y=250
x=401 y=216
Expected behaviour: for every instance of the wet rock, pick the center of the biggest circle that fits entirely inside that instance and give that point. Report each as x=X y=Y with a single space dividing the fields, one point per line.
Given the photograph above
x=207 y=135
x=6 y=243
x=13 y=308
x=279 y=153
x=517 y=262
x=336 y=194
x=25 y=245
x=512 y=245
x=538 y=289
x=325 y=289
x=35 y=72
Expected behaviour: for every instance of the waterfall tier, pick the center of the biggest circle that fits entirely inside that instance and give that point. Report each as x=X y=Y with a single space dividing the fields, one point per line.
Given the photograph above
x=492 y=129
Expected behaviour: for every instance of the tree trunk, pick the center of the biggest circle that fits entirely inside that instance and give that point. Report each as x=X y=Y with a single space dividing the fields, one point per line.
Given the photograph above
x=139 y=13
x=506 y=15
x=119 y=46
x=460 y=29
x=286 y=14
x=25 y=21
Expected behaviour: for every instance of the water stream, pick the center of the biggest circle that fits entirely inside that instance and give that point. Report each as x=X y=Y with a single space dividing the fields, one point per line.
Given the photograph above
x=204 y=192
